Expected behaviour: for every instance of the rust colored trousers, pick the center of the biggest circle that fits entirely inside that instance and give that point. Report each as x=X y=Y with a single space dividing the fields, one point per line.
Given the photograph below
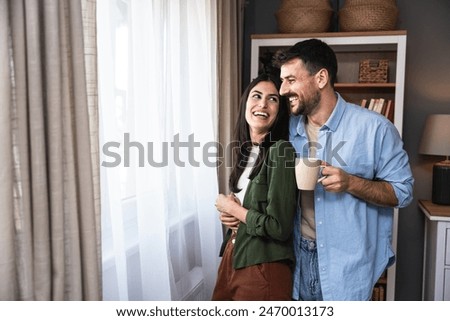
x=261 y=282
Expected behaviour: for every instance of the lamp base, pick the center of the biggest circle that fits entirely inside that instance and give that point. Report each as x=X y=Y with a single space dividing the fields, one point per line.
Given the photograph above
x=441 y=183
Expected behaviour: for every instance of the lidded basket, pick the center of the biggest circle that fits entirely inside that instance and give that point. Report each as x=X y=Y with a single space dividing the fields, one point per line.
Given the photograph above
x=368 y=15
x=287 y=4
x=303 y=16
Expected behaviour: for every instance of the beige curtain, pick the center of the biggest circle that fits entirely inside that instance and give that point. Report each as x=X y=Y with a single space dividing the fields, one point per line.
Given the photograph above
x=49 y=210
x=230 y=46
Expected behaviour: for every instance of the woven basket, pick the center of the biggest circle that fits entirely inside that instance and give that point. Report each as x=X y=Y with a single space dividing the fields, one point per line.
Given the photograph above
x=372 y=70
x=303 y=20
x=350 y=3
x=368 y=18
x=305 y=3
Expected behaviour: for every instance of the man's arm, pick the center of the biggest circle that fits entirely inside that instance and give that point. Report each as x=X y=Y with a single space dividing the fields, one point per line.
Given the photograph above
x=380 y=193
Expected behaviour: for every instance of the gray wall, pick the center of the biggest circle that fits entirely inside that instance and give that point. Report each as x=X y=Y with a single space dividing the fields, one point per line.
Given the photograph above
x=427 y=91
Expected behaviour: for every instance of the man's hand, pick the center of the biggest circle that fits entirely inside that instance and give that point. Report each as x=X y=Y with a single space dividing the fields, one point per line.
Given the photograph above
x=336 y=180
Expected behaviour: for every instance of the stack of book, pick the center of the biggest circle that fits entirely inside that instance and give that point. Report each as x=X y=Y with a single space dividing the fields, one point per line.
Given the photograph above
x=378 y=293
x=379 y=290
x=380 y=105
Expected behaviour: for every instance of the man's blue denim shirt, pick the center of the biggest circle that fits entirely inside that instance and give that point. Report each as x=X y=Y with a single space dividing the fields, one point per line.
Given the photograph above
x=353 y=237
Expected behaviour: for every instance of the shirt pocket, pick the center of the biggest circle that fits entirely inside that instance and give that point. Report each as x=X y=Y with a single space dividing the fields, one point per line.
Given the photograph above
x=358 y=159
x=259 y=191
x=363 y=170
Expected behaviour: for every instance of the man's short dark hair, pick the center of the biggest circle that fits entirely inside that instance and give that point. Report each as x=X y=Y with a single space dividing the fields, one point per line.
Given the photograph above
x=314 y=53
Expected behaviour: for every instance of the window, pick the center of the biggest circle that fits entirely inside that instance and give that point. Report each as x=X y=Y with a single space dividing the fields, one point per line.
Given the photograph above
x=157 y=108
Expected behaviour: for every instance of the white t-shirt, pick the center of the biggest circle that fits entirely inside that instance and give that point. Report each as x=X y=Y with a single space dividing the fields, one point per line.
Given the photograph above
x=308 y=223
x=244 y=180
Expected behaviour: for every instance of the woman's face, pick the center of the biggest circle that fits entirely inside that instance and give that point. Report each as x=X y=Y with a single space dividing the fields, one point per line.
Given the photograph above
x=261 y=110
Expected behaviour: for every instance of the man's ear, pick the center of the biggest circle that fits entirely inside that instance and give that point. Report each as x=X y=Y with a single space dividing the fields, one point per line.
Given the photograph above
x=322 y=78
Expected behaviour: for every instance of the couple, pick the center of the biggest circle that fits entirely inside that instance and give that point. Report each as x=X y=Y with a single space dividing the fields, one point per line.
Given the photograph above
x=329 y=244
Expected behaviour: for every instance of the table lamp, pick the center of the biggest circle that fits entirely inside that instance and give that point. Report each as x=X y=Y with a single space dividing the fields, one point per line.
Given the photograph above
x=436 y=141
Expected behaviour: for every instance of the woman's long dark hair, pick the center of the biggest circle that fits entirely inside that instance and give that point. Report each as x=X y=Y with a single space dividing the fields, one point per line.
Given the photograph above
x=242 y=140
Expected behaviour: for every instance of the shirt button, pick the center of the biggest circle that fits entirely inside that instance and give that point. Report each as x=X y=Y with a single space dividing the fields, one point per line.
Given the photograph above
x=320 y=222
x=321 y=245
x=318 y=199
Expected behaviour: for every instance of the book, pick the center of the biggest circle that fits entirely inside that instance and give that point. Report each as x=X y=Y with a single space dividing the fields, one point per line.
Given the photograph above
x=363 y=102
x=376 y=294
x=389 y=110
x=382 y=295
x=371 y=104
x=378 y=107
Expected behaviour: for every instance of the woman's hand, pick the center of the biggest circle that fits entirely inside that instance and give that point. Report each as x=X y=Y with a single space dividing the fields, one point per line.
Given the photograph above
x=231 y=211
x=229 y=220
x=225 y=203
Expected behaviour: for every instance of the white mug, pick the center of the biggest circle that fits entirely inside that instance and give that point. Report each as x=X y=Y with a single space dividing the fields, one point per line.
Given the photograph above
x=307 y=172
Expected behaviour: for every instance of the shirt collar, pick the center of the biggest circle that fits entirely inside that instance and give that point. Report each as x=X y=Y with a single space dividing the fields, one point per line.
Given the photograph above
x=336 y=116
x=296 y=126
x=297 y=123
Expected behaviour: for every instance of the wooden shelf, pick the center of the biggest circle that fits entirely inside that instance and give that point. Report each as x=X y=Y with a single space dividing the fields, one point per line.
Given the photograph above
x=435 y=211
x=364 y=85
x=329 y=34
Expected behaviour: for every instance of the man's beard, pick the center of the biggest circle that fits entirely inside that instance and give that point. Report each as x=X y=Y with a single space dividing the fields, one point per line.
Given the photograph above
x=305 y=108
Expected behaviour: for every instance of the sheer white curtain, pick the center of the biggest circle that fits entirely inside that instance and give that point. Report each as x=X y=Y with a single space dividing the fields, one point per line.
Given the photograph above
x=157 y=94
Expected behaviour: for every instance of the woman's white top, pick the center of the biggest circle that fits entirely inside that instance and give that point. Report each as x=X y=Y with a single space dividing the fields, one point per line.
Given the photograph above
x=244 y=180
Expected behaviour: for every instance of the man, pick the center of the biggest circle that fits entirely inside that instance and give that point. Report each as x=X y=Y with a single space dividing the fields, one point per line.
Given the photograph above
x=343 y=243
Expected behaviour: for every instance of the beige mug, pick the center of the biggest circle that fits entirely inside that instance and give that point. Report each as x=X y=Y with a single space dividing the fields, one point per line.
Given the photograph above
x=307 y=173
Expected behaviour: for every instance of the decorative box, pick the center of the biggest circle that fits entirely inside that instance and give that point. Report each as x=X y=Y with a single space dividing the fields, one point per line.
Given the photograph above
x=373 y=70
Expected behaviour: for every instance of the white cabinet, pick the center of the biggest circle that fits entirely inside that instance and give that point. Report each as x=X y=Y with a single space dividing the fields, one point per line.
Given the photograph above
x=351 y=48
x=436 y=265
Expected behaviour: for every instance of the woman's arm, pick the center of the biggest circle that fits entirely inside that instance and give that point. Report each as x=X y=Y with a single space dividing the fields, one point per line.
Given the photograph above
x=273 y=214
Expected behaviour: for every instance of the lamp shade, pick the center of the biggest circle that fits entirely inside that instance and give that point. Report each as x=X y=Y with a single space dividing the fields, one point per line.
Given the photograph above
x=436 y=136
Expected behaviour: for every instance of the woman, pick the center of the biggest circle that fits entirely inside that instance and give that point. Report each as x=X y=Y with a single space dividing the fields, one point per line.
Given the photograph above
x=257 y=254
